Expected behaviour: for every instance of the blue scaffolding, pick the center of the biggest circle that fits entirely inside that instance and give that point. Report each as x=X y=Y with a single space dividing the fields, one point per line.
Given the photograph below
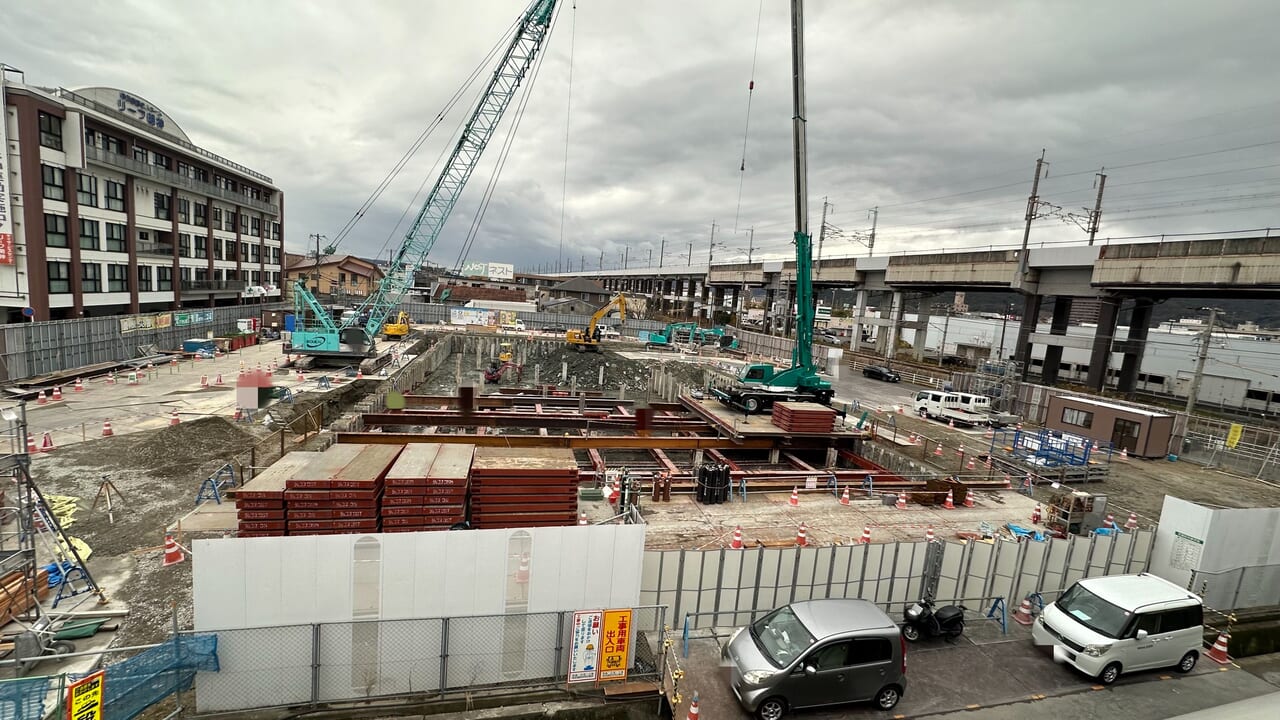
x=1048 y=448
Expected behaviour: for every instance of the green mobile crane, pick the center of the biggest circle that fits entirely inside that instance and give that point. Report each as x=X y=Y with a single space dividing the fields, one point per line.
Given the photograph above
x=761 y=385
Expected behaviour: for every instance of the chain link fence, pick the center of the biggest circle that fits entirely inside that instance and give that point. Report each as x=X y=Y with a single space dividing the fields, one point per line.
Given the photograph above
x=334 y=662
x=1254 y=453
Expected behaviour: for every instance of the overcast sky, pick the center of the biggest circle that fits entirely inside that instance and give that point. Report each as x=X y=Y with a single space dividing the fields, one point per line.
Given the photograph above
x=934 y=112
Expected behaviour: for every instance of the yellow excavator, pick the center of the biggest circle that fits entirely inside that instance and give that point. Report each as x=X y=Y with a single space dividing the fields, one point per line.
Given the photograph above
x=588 y=340
x=398 y=328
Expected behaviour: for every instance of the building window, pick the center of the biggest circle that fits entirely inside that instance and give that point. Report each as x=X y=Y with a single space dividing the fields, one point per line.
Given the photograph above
x=59 y=277
x=115 y=238
x=255 y=277
x=118 y=278
x=115 y=196
x=163 y=207
x=112 y=145
x=1079 y=418
x=184 y=210
x=217 y=249
x=164 y=278
x=87 y=190
x=231 y=250
x=90 y=238
x=161 y=161
x=254 y=254
x=184 y=274
x=144 y=278
x=55 y=230
x=54 y=179
x=50 y=131
x=275 y=256
x=201 y=211
x=90 y=138
x=202 y=247
x=275 y=231
x=229 y=223
x=217 y=218
x=202 y=275
x=255 y=227
x=184 y=245
x=200 y=174
x=140 y=154
x=90 y=277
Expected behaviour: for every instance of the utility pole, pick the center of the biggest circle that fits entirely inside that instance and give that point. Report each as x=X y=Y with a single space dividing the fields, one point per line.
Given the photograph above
x=1201 y=356
x=871 y=243
x=602 y=260
x=946 y=326
x=582 y=264
x=690 y=256
x=751 y=242
x=1033 y=203
x=1004 y=322
x=662 y=251
x=822 y=235
x=650 y=263
x=711 y=245
x=626 y=256
x=1095 y=217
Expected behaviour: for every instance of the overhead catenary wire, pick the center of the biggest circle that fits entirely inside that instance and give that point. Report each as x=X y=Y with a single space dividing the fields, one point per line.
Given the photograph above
x=746 y=130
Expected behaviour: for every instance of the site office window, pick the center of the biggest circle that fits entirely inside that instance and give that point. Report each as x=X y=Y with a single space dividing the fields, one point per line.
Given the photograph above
x=1078 y=418
x=50 y=131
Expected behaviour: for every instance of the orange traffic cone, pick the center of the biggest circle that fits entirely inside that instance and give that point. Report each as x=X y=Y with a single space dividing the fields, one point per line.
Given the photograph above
x=902 y=501
x=301 y=377
x=1132 y=522
x=987 y=463
x=204 y=381
x=111 y=378
x=866 y=535
x=1008 y=484
x=1023 y=614
x=79 y=386
x=736 y=543
x=1035 y=515
x=971 y=465
x=359 y=374
x=960 y=451
x=950 y=502
x=173 y=418
x=795 y=498
x=172 y=553
x=1110 y=522
x=32 y=448
x=937 y=452
x=106 y=428
x=911 y=440
x=582 y=519
x=928 y=534
x=218 y=379
x=1218 y=653
x=968 y=498
x=41 y=399
x=173 y=362
x=194 y=358
x=57 y=392
x=693 y=708
x=802 y=535
x=46 y=443
x=951 y=424
x=990 y=433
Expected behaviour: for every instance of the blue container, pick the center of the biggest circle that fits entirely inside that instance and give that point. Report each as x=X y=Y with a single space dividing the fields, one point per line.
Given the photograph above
x=197 y=345
x=288 y=323
x=1172 y=458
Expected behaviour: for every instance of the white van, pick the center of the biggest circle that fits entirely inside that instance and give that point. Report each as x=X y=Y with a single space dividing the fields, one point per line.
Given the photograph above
x=517 y=326
x=1105 y=626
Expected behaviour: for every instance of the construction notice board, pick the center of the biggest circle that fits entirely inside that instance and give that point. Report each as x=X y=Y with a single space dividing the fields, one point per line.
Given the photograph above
x=615 y=649
x=584 y=646
x=84 y=698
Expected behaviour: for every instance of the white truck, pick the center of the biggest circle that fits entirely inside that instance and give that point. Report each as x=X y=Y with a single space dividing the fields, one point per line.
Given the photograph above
x=963 y=409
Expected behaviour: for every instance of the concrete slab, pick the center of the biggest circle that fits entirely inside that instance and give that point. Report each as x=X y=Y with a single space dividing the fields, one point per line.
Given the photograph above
x=208 y=517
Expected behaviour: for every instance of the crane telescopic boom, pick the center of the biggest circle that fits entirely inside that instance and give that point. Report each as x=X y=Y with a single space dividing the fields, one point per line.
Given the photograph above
x=317 y=333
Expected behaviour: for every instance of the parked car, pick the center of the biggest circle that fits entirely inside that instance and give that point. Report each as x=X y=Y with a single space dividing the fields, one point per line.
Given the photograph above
x=880 y=372
x=817 y=653
x=1105 y=626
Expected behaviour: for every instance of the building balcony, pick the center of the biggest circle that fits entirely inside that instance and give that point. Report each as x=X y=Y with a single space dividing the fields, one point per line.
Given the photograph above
x=225 y=288
x=173 y=179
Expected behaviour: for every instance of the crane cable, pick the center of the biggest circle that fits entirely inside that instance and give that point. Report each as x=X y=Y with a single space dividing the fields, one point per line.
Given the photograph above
x=751 y=88
x=564 y=183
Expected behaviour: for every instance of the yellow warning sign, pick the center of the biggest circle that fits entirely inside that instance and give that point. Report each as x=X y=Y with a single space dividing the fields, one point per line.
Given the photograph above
x=1233 y=435
x=615 y=645
x=84 y=698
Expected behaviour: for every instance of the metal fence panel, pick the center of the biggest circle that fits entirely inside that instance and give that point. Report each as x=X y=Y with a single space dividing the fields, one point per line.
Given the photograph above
x=493 y=650
x=364 y=659
x=260 y=667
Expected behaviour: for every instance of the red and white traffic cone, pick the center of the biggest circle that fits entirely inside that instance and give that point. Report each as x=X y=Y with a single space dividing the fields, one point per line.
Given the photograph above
x=866 y=535
x=217 y=380
x=990 y=433
x=693 y=708
x=1218 y=653
x=937 y=452
x=173 y=362
x=971 y=465
x=736 y=542
x=844 y=499
x=204 y=381
x=46 y=443
x=1132 y=523
x=899 y=409
x=1124 y=453
x=79 y=386
x=802 y=535
x=794 y=501
x=173 y=418
x=1110 y=522
x=359 y=374
x=522 y=572
x=951 y=424
x=32 y=448
x=1035 y=515
x=195 y=357
x=106 y=428
x=57 y=392
x=968 y=498
x=111 y=378
x=582 y=519
x=879 y=409
x=960 y=451
x=300 y=377
x=911 y=440
x=172 y=553
x=1023 y=614
x=902 y=501
x=41 y=399
x=1008 y=482
x=950 y=502
x=987 y=463
x=928 y=534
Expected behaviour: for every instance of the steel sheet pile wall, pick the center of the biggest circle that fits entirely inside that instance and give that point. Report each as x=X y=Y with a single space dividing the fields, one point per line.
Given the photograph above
x=437 y=313
x=722 y=588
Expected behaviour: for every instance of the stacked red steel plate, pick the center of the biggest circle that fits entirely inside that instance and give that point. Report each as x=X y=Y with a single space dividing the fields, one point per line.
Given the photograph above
x=524 y=487
x=804 y=417
x=339 y=492
x=260 y=502
x=426 y=488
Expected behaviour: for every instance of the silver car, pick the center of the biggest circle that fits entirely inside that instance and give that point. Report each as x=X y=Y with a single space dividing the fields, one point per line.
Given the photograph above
x=817 y=653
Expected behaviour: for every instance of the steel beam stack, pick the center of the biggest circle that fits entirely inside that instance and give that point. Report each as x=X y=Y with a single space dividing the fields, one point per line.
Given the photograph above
x=426 y=488
x=523 y=487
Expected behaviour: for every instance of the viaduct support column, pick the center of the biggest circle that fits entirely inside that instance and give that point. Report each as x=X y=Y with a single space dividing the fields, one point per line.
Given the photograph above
x=896 y=313
x=1135 y=345
x=704 y=297
x=859 y=312
x=717 y=303
x=766 y=324
x=1053 y=353
x=921 y=338
x=690 y=293
x=1108 y=314
x=1030 y=315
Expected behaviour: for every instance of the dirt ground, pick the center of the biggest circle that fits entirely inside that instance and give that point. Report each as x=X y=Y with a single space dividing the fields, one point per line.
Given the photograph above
x=158 y=473
x=1135 y=485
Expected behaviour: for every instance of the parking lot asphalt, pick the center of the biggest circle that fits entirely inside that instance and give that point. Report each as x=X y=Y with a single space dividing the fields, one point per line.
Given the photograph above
x=987 y=674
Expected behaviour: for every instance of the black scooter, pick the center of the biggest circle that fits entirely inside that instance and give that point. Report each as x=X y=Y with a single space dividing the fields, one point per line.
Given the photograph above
x=924 y=620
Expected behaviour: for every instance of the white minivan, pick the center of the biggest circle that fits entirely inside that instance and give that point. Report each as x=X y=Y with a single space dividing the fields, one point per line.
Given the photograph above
x=1105 y=626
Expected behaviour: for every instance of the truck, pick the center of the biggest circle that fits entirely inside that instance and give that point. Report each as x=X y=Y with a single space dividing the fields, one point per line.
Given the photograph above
x=965 y=409
x=760 y=385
